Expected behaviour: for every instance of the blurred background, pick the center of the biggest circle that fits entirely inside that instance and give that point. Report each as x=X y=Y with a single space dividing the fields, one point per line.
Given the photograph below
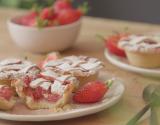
x=134 y=10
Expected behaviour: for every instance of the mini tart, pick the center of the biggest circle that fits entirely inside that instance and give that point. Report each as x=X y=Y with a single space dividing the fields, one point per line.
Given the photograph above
x=141 y=50
x=83 y=67
x=15 y=68
x=7 y=99
x=47 y=90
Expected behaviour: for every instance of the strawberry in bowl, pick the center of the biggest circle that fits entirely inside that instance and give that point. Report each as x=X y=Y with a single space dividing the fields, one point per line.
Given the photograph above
x=54 y=28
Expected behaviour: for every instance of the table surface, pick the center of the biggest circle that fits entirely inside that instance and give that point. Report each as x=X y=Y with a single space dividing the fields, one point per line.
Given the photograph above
x=134 y=83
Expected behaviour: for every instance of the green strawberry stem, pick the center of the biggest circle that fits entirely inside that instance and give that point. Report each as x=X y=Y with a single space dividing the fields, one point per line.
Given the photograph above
x=109 y=83
x=84 y=8
x=100 y=37
x=40 y=23
x=36 y=8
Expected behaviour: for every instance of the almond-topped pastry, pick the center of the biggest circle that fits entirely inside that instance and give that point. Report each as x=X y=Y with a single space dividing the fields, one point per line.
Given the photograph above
x=47 y=90
x=83 y=67
x=15 y=68
x=142 y=50
x=7 y=99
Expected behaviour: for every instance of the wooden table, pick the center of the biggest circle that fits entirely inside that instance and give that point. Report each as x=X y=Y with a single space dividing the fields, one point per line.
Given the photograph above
x=88 y=44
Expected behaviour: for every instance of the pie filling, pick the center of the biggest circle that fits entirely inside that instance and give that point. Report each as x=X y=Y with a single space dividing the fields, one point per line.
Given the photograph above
x=6 y=92
x=47 y=86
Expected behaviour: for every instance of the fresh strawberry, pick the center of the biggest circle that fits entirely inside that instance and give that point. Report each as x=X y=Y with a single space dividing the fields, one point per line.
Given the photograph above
x=112 y=44
x=91 y=92
x=47 y=14
x=60 y=5
x=27 y=19
x=68 y=16
x=6 y=92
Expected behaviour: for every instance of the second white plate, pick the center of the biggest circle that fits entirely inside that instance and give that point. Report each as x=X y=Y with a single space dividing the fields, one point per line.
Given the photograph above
x=123 y=63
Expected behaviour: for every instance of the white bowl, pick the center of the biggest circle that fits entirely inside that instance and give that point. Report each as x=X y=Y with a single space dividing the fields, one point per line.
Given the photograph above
x=44 y=40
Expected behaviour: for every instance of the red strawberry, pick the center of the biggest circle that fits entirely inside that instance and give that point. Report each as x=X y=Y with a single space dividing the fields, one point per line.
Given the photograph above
x=60 y=5
x=91 y=92
x=48 y=14
x=112 y=44
x=68 y=16
x=27 y=19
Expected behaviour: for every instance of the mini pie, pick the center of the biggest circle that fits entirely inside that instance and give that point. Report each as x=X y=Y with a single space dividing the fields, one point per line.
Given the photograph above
x=142 y=50
x=83 y=67
x=47 y=90
x=15 y=68
x=7 y=99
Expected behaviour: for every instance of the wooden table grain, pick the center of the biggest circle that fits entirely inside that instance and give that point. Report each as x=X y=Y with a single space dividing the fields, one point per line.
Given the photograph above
x=88 y=44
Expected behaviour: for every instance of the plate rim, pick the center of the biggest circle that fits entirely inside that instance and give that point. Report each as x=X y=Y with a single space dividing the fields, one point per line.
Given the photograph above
x=113 y=60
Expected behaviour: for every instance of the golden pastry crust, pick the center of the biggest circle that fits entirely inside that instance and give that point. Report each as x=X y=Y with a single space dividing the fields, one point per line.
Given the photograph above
x=144 y=60
x=7 y=105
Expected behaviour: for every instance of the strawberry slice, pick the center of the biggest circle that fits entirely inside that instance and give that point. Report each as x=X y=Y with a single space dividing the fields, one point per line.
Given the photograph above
x=92 y=92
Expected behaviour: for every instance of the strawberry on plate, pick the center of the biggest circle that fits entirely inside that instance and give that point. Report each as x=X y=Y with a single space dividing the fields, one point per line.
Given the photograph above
x=92 y=92
x=112 y=44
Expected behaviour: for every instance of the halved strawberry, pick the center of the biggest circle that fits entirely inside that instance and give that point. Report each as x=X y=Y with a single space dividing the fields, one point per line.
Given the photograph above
x=91 y=92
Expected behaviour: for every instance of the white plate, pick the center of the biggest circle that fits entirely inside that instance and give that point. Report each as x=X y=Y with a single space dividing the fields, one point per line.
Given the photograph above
x=21 y=113
x=123 y=63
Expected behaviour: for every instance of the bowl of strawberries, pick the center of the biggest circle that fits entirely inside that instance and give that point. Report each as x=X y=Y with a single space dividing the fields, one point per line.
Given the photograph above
x=53 y=28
